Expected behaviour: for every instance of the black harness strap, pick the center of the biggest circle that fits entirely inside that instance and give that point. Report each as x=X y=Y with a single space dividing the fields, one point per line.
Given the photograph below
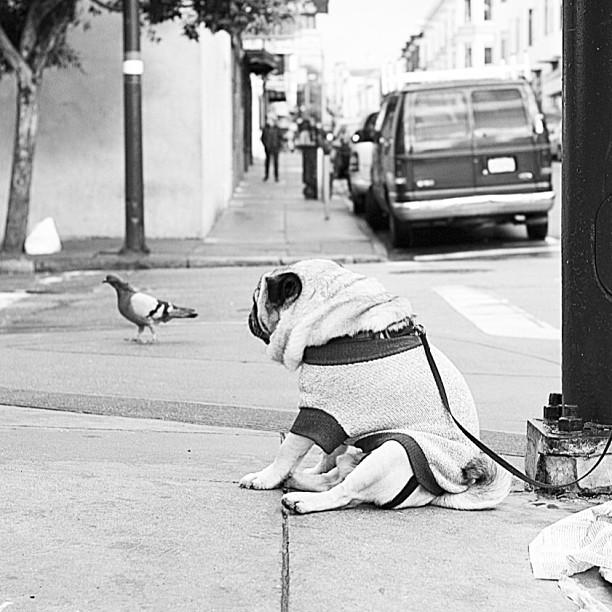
x=403 y=495
x=485 y=449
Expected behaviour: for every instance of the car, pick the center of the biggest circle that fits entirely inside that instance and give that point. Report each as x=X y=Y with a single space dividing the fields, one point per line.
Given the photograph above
x=360 y=162
x=460 y=151
x=555 y=134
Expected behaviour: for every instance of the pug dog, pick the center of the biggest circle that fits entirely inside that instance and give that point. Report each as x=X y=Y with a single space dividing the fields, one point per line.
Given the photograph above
x=367 y=398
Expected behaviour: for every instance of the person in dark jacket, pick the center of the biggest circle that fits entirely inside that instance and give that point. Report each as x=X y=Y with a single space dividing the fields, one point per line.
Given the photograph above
x=272 y=139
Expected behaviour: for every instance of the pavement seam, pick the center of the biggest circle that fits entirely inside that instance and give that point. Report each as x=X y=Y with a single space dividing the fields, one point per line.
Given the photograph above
x=285 y=569
x=285 y=558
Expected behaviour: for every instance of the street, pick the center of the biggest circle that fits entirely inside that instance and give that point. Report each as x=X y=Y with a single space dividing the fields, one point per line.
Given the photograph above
x=63 y=342
x=492 y=305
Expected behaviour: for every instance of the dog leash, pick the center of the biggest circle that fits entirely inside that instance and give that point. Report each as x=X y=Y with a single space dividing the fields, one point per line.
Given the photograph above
x=483 y=447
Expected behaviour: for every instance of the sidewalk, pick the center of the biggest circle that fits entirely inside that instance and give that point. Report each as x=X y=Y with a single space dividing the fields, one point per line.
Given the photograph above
x=116 y=514
x=266 y=223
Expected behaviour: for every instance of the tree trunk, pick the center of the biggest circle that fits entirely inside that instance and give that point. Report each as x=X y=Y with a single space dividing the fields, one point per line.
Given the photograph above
x=21 y=174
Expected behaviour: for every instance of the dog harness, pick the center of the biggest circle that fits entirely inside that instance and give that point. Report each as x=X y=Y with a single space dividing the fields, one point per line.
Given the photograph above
x=371 y=388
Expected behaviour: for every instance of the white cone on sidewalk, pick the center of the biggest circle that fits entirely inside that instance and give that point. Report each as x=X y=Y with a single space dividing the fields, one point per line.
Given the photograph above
x=43 y=239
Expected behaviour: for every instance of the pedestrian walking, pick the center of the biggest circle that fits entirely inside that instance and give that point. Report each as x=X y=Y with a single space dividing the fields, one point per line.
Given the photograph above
x=272 y=139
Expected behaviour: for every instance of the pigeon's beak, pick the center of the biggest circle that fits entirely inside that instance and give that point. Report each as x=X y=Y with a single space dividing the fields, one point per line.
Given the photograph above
x=104 y=281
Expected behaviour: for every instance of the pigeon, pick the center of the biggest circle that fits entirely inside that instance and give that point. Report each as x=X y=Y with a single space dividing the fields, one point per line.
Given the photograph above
x=145 y=310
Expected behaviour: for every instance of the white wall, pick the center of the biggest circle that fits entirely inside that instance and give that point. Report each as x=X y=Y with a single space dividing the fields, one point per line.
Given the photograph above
x=79 y=161
x=216 y=130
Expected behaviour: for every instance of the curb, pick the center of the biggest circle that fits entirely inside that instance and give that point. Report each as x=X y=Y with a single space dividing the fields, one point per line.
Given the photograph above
x=148 y=262
x=225 y=416
x=20 y=265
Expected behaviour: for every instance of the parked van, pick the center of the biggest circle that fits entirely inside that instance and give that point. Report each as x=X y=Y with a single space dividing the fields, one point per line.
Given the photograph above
x=460 y=152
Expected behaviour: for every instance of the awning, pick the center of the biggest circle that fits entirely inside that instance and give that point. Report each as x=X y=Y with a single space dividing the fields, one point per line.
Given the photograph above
x=260 y=62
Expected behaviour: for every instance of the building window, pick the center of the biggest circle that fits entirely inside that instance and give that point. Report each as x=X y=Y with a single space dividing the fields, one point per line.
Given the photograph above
x=488 y=55
x=530 y=28
x=487 y=10
x=468 y=11
x=546 y=17
x=504 y=48
x=468 y=56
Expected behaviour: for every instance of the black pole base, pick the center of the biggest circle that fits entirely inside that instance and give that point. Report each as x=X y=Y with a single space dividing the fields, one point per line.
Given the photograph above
x=556 y=457
x=127 y=251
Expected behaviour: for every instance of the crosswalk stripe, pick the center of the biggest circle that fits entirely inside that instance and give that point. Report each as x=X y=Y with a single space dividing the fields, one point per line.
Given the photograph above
x=6 y=299
x=551 y=245
x=494 y=315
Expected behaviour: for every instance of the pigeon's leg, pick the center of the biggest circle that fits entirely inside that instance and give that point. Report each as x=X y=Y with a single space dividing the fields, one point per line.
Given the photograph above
x=138 y=337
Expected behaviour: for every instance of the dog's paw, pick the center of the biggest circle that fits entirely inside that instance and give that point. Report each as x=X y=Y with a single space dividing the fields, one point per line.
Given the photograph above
x=260 y=480
x=300 y=503
x=291 y=501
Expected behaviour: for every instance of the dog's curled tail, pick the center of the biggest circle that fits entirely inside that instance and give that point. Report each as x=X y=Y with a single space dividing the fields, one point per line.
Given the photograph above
x=489 y=485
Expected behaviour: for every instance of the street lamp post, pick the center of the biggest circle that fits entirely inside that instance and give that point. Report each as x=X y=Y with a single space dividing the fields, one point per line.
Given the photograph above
x=132 y=97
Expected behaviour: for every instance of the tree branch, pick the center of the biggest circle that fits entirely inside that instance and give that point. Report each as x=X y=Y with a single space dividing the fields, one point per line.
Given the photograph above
x=45 y=44
x=36 y=15
x=17 y=63
x=109 y=6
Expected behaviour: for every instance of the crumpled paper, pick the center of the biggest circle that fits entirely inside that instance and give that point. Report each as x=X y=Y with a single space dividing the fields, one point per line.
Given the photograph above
x=44 y=239
x=574 y=544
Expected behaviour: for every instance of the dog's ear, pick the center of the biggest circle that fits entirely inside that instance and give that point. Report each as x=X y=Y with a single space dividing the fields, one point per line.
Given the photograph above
x=285 y=287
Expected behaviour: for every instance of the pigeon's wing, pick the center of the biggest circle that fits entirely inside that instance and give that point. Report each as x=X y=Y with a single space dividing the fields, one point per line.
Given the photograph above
x=140 y=307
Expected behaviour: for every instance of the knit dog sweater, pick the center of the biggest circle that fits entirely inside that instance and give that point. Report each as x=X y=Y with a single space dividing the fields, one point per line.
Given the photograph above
x=366 y=392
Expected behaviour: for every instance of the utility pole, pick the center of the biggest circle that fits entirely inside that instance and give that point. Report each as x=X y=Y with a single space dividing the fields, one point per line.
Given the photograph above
x=132 y=100
x=586 y=243
x=577 y=423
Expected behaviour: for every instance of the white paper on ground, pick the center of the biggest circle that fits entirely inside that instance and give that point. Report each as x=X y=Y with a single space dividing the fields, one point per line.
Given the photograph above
x=573 y=590
x=574 y=544
x=43 y=239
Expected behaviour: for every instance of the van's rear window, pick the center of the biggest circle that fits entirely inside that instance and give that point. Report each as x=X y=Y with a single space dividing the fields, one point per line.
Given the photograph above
x=498 y=110
x=440 y=117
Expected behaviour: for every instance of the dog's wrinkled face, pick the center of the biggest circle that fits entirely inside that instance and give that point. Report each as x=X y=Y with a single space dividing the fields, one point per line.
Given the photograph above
x=274 y=292
x=312 y=301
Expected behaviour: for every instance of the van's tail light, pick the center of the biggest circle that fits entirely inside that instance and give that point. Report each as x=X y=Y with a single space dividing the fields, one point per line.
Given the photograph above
x=400 y=172
x=401 y=177
x=545 y=161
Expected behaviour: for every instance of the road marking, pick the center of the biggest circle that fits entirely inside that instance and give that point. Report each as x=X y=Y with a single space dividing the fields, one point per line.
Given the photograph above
x=50 y=280
x=6 y=299
x=552 y=246
x=494 y=315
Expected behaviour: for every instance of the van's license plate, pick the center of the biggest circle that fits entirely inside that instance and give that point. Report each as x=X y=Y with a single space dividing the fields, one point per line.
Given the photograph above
x=498 y=165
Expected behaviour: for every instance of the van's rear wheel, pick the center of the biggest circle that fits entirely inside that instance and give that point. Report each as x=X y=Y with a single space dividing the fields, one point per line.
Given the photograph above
x=537 y=228
x=372 y=212
x=401 y=234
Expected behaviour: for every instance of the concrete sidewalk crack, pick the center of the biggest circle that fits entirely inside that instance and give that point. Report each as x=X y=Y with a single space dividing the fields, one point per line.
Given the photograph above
x=285 y=569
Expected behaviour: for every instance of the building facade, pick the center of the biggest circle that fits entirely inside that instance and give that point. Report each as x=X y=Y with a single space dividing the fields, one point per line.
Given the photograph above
x=525 y=34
